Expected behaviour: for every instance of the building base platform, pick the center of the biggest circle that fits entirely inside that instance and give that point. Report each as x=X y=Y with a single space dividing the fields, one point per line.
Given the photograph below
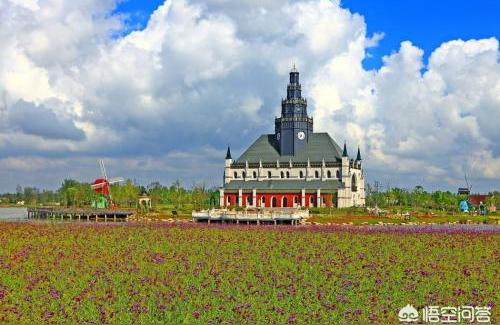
x=258 y=216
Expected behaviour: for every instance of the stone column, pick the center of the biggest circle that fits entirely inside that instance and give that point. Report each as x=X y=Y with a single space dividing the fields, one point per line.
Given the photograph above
x=222 y=203
x=240 y=197
x=303 y=198
x=318 y=198
x=254 y=197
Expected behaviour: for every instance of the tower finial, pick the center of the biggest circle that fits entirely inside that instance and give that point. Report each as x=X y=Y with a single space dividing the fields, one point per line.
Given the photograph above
x=358 y=158
x=228 y=153
x=344 y=154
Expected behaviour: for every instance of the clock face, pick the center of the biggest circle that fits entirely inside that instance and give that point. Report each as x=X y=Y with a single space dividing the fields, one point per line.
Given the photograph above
x=278 y=136
x=301 y=135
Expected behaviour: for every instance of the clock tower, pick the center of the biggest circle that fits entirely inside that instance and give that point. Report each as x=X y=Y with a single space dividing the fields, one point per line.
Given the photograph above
x=293 y=128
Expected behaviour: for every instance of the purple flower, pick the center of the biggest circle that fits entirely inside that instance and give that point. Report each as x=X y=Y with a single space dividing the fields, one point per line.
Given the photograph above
x=291 y=319
x=55 y=293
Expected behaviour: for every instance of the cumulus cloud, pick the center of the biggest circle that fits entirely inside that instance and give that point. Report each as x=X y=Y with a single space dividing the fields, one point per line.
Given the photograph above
x=167 y=99
x=430 y=117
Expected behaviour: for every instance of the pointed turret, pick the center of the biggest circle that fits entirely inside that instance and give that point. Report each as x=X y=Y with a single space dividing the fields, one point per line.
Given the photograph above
x=227 y=166
x=358 y=157
x=344 y=153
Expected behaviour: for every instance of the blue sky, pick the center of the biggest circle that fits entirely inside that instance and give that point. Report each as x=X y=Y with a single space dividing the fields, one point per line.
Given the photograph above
x=427 y=23
x=162 y=103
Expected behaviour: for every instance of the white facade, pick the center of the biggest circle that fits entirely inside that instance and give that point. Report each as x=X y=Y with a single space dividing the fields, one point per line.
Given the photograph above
x=349 y=173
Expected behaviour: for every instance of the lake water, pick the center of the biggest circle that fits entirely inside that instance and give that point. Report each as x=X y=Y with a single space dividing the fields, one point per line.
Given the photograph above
x=13 y=214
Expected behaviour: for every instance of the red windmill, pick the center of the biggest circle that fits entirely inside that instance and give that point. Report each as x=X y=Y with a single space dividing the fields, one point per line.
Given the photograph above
x=101 y=185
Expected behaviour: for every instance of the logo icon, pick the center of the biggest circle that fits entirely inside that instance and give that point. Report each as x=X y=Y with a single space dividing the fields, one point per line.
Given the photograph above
x=408 y=314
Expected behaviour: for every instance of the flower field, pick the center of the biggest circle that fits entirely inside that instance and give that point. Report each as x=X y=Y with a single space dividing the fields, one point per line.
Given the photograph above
x=227 y=274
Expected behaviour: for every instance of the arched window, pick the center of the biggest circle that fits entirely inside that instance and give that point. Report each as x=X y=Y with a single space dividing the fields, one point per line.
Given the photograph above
x=228 y=200
x=354 y=185
x=311 y=200
x=285 y=202
x=296 y=199
x=301 y=174
x=235 y=175
x=263 y=201
x=244 y=175
x=268 y=174
x=287 y=174
x=316 y=174
x=249 y=200
x=282 y=175
x=274 y=202
x=254 y=174
x=338 y=173
x=329 y=174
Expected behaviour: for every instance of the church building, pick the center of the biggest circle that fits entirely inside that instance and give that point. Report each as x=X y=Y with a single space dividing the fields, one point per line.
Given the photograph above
x=294 y=167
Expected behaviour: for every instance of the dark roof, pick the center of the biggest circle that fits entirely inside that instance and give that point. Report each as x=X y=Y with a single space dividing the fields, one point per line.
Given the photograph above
x=320 y=146
x=358 y=158
x=344 y=153
x=228 y=153
x=283 y=184
x=476 y=199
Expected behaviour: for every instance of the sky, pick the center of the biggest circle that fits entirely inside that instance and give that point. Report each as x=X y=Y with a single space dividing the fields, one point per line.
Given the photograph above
x=159 y=89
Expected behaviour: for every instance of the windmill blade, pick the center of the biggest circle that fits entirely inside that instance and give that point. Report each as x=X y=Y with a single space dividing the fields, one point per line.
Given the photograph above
x=98 y=185
x=115 y=180
x=103 y=169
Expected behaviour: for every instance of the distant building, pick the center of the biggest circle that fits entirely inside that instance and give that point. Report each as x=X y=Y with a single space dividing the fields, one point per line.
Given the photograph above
x=476 y=199
x=294 y=166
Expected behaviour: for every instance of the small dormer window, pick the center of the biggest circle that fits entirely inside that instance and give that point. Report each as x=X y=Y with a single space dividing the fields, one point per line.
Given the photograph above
x=329 y=174
x=316 y=174
x=244 y=175
x=254 y=174
x=282 y=175
x=235 y=175
x=301 y=174
x=268 y=174
x=287 y=174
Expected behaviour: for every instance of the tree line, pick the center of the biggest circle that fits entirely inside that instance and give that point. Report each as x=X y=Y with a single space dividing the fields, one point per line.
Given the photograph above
x=72 y=193
x=418 y=197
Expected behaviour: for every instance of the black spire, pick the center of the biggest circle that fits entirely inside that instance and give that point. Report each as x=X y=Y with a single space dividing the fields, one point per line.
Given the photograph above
x=228 y=154
x=358 y=158
x=344 y=154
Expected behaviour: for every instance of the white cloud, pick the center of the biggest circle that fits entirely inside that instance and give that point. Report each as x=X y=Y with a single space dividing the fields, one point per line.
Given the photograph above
x=431 y=119
x=204 y=74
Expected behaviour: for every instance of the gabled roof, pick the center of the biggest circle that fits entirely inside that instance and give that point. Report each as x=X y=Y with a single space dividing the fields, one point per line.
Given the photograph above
x=283 y=184
x=320 y=146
